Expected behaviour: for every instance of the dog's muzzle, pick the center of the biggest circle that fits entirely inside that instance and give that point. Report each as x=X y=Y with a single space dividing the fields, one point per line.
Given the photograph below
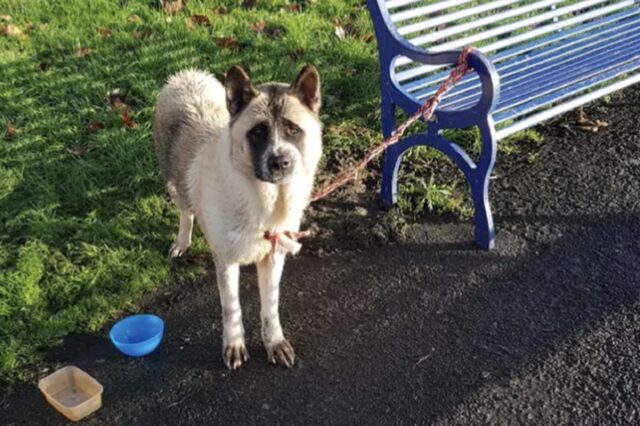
x=275 y=168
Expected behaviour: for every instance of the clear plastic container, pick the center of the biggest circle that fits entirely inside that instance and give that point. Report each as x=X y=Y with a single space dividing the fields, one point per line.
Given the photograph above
x=72 y=392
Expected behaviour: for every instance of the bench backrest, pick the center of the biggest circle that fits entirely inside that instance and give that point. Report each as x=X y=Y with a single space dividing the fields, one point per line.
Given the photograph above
x=495 y=27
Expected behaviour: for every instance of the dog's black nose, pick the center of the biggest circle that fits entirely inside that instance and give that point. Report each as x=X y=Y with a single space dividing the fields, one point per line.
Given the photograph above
x=279 y=163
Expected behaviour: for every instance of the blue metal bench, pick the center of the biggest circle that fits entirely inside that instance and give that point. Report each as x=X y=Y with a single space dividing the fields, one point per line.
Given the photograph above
x=534 y=60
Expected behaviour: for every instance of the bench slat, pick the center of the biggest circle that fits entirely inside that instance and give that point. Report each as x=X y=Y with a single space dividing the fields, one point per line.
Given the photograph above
x=505 y=29
x=511 y=41
x=614 y=71
x=590 y=50
x=426 y=10
x=552 y=70
x=393 y=4
x=477 y=23
x=567 y=106
x=557 y=40
x=455 y=16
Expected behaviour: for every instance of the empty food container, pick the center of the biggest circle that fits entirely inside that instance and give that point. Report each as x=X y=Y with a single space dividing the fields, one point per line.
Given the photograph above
x=72 y=392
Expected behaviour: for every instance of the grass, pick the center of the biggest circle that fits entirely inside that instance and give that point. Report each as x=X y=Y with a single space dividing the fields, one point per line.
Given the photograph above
x=84 y=221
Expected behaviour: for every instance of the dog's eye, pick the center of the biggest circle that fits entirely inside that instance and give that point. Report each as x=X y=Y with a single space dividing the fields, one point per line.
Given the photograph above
x=259 y=131
x=291 y=129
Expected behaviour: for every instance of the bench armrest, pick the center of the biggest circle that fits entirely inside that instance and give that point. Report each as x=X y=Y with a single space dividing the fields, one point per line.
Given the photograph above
x=480 y=63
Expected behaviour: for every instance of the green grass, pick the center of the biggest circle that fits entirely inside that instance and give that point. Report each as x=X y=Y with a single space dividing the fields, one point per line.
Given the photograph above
x=84 y=221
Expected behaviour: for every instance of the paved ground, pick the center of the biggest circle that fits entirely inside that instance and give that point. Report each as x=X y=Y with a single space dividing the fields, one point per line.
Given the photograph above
x=545 y=329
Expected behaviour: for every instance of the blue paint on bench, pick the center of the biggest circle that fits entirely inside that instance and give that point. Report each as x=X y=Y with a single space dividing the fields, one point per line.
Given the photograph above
x=556 y=56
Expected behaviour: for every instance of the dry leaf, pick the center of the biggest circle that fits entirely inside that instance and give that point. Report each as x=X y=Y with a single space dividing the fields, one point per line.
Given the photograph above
x=248 y=4
x=95 y=126
x=81 y=52
x=9 y=132
x=258 y=26
x=78 y=150
x=220 y=10
x=104 y=32
x=340 y=32
x=228 y=42
x=11 y=31
x=126 y=120
x=142 y=34
x=45 y=65
x=116 y=100
x=201 y=20
x=134 y=19
x=5 y=18
x=188 y=22
x=293 y=7
x=272 y=31
x=296 y=53
x=367 y=38
x=587 y=125
x=172 y=7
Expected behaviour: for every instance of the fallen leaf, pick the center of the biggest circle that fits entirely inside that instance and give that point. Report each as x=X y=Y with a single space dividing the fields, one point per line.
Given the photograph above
x=172 y=7
x=126 y=120
x=45 y=65
x=104 y=32
x=81 y=52
x=201 y=20
x=116 y=100
x=587 y=125
x=188 y=22
x=142 y=34
x=134 y=19
x=95 y=126
x=9 y=132
x=367 y=38
x=340 y=32
x=228 y=42
x=258 y=26
x=11 y=31
x=293 y=7
x=5 y=18
x=296 y=54
x=221 y=10
x=272 y=31
x=248 y=4
x=78 y=150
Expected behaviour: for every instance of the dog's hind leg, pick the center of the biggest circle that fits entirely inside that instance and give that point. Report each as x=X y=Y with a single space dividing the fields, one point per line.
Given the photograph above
x=279 y=350
x=183 y=240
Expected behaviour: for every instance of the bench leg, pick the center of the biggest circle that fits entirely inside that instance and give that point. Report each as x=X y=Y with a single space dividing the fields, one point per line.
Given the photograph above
x=477 y=175
x=479 y=184
x=392 y=158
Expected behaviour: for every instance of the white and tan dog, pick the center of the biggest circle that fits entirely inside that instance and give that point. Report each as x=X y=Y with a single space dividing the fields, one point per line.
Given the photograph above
x=241 y=159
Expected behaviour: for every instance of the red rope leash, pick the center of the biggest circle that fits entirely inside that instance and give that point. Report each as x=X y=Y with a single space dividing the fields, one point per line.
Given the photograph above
x=285 y=242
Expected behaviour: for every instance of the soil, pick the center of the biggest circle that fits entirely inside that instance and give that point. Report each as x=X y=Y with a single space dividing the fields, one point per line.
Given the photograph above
x=420 y=327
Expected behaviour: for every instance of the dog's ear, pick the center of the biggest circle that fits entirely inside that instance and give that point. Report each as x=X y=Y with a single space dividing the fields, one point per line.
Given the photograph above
x=239 y=90
x=306 y=87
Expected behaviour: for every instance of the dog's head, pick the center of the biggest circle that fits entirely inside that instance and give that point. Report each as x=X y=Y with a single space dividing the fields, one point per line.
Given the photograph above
x=276 y=132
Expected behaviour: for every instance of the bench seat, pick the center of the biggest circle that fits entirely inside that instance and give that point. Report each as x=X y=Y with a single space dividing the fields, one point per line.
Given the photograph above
x=544 y=78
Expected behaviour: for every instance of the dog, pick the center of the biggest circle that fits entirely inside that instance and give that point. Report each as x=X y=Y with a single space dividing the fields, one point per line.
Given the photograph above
x=241 y=160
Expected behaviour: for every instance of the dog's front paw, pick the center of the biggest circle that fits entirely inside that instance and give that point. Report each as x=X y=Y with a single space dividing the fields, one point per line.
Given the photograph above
x=178 y=248
x=234 y=355
x=281 y=353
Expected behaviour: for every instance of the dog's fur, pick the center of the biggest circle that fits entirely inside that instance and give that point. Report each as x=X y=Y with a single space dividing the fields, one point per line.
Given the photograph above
x=240 y=159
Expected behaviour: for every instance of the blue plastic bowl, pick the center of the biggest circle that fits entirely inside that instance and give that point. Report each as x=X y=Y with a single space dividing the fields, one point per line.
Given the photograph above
x=137 y=335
